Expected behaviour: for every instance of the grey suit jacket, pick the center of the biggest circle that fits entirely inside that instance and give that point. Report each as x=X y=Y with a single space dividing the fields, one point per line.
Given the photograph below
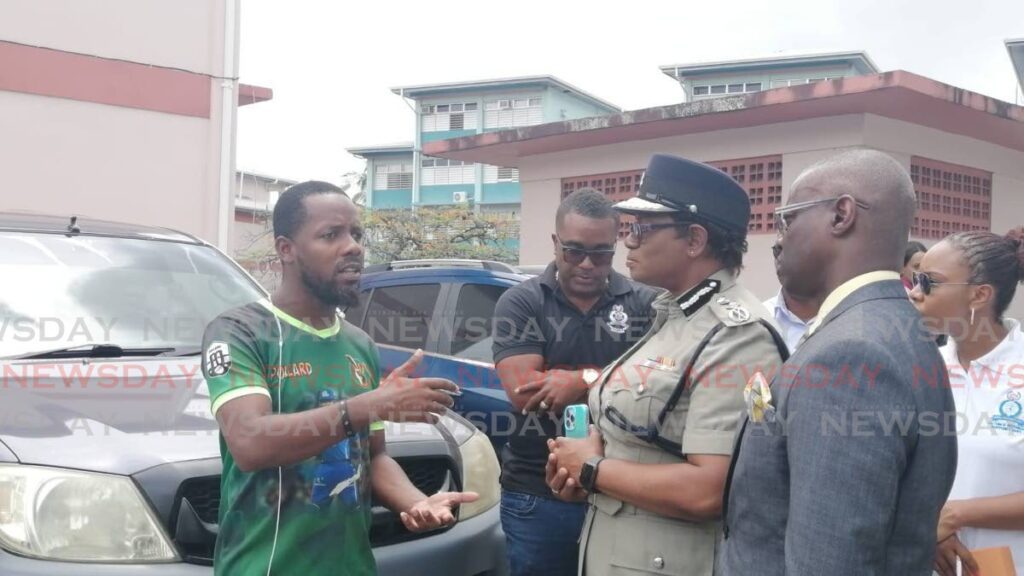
x=850 y=476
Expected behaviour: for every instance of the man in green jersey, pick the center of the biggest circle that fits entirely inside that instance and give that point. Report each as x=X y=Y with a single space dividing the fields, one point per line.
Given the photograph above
x=296 y=392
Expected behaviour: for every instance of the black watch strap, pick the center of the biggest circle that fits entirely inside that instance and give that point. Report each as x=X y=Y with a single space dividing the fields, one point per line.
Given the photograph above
x=588 y=475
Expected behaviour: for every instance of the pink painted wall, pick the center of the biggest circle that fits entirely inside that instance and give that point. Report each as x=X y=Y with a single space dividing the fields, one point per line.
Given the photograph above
x=801 y=144
x=184 y=34
x=109 y=110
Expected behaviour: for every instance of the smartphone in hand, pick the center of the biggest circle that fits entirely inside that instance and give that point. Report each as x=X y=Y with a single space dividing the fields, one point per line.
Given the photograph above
x=576 y=420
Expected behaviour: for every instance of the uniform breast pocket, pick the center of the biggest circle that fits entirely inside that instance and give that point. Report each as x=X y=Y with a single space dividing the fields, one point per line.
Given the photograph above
x=635 y=406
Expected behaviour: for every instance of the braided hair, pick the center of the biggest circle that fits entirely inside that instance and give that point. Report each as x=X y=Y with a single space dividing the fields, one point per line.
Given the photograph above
x=994 y=260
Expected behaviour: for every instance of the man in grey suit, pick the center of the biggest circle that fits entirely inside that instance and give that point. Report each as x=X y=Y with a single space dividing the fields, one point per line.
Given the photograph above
x=845 y=459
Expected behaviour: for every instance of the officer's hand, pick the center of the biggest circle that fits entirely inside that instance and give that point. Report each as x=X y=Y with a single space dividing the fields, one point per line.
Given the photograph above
x=946 y=554
x=562 y=486
x=553 y=392
x=572 y=454
x=401 y=398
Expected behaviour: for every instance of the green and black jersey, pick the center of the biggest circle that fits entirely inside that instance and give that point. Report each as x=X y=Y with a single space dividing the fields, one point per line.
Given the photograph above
x=313 y=517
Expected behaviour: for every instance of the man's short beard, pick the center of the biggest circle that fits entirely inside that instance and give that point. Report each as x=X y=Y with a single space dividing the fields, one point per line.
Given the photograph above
x=327 y=293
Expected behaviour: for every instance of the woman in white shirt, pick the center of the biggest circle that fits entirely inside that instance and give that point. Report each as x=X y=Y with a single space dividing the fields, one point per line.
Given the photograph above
x=965 y=284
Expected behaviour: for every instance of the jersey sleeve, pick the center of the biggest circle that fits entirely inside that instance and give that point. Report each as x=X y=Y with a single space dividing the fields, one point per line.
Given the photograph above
x=232 y=365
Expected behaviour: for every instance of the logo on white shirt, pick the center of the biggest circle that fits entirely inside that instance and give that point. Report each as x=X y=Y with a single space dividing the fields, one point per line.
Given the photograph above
x=1009 y=414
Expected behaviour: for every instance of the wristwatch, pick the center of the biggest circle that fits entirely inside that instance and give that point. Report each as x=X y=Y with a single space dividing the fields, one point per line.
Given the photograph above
x=590 y=376
x=588 y=474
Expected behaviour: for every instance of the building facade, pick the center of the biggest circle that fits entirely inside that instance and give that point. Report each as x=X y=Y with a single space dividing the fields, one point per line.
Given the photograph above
x=715 y=79
x=122 y=110
x=964 y=151
x=252 y=237
x=401 y=176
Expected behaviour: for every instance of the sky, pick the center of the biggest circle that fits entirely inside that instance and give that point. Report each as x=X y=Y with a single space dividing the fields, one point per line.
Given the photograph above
x=332 y=63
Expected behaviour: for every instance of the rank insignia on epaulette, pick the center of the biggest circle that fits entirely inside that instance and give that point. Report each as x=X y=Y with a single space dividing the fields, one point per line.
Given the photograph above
x=737 y=312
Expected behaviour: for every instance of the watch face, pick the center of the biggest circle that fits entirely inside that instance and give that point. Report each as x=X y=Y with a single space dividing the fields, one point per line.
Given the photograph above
x=587 y=476
x=588 y=473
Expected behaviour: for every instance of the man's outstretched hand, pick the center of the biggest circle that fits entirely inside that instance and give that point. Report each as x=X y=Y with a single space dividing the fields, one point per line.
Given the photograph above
x=435 y=511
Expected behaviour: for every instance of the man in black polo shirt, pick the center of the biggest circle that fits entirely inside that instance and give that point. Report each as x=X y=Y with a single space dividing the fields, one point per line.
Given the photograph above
x=552 y=336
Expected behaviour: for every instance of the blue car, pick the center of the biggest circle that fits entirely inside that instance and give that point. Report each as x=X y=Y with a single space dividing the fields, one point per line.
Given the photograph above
x=446 y=308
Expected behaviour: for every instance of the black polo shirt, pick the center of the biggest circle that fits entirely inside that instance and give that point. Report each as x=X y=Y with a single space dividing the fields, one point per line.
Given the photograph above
x=535 y=317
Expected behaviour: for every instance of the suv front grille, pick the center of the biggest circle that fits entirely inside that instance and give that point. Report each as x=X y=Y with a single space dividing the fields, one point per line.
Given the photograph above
x=427 y=474
x=194 y=524
x=430 y=476
x=204 y=496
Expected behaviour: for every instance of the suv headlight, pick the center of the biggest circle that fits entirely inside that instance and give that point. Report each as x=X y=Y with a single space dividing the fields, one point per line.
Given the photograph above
x=480 y=468
x=67 y=515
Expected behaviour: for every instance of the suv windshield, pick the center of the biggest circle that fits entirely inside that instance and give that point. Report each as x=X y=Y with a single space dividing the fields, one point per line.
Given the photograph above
x=60 y=291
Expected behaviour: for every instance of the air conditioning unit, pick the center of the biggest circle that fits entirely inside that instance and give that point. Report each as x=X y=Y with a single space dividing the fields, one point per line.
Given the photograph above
x=460 y=197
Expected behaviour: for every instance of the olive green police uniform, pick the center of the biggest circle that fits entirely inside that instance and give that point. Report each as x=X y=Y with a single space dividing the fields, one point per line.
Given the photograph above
x=648 y=412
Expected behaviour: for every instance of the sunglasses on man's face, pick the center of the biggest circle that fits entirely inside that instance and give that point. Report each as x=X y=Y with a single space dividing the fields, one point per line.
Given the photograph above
x=575 y=255
x=926 y=283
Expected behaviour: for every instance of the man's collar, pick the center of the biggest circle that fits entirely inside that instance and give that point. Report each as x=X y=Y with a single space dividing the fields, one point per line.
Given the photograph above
x=550 y=276
x=782 y=308
x=844 y=290
x=619 y=285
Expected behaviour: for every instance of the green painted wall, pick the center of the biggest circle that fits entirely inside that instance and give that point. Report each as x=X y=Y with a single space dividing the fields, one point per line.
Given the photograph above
x=384 y=199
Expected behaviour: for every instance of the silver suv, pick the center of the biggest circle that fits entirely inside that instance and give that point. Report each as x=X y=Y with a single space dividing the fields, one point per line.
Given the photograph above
x=109 y=456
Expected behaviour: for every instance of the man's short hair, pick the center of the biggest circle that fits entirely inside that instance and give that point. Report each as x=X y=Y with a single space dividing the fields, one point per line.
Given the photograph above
x=290 y=211
x=588 y=203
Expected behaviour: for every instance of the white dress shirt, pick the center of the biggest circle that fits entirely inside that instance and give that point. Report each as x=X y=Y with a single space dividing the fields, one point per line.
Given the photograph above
x=792 y=327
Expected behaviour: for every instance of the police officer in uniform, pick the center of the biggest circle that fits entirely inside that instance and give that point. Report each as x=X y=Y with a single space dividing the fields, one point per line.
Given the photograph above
x=665 y=413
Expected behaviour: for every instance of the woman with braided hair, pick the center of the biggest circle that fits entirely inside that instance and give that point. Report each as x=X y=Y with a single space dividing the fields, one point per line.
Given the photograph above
x=965 y=285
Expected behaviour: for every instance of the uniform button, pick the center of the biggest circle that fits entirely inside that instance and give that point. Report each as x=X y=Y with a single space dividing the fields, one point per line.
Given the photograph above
x=658 y=563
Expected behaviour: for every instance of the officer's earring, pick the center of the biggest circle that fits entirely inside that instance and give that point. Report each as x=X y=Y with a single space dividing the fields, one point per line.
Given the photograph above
x=972 y=316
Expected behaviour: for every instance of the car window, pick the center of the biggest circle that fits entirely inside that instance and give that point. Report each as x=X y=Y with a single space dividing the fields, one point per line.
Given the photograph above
x=354 y=314
x=400 y=315
x=474 y=320
x=64 y=291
